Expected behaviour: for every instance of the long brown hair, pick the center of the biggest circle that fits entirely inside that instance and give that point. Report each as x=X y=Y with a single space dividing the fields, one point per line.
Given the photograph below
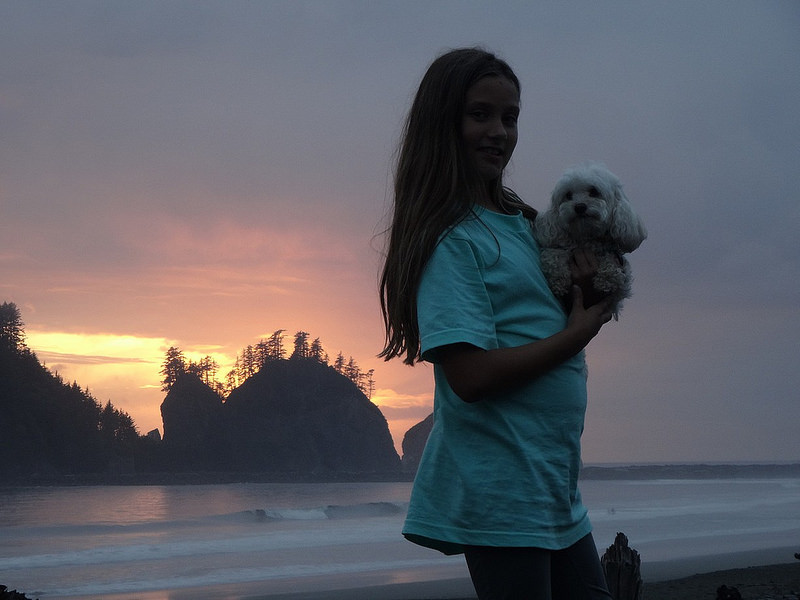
x=434 y=188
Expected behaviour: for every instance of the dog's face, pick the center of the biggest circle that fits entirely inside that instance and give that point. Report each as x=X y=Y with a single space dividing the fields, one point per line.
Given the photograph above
x=588 y=204
x=583 y=207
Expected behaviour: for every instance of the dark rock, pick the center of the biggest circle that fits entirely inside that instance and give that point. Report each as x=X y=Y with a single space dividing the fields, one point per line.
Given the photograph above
x=192 y=415
x=6 y=594
x=296 y=416
x=300 y=415
x=414 y=443
x=728 y=593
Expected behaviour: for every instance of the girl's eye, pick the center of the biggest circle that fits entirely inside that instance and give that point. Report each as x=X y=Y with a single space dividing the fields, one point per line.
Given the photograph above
x=478 y=115
x=511 y=120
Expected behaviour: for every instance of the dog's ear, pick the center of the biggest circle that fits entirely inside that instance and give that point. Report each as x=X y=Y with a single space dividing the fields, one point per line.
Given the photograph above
x=627 y=229
x=546 y=228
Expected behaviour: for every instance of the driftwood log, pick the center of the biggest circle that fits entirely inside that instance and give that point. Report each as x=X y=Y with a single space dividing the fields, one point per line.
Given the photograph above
x=622 y=566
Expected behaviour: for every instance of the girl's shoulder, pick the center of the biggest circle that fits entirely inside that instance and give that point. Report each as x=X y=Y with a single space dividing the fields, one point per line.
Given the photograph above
x=481 y=223
x=473 y=228
x=486 y=236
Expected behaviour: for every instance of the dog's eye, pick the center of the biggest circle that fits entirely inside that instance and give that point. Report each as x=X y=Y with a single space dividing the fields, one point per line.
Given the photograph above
x=568 y=196
x=594 y=192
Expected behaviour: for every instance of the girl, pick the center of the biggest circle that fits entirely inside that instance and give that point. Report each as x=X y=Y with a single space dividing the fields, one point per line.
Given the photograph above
x=462 y=288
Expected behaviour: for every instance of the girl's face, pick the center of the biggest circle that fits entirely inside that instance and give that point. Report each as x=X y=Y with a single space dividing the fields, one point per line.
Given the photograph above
x=489 y=125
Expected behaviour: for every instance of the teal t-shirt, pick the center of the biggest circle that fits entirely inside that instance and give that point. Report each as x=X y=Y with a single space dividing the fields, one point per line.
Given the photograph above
x=502 y=471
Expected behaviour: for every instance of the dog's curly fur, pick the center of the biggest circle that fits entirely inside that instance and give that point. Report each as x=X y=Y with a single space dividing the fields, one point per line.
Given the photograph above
x=588 y=209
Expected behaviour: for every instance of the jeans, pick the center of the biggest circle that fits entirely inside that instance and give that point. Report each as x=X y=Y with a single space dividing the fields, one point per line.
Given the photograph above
x=573 y=573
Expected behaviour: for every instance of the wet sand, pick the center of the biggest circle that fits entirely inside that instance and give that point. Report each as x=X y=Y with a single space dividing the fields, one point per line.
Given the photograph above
x=684 y=579
x=774 y=582
x=768 y=574
x=771 y=582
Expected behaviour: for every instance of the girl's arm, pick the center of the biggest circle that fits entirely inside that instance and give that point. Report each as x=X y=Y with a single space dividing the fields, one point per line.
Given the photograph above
x=473 y=373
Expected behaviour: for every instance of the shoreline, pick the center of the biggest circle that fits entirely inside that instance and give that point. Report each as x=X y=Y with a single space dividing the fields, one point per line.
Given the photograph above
x=771 y=573
x=589 y=472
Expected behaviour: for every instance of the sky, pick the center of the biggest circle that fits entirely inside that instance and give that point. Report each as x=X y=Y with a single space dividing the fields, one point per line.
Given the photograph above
x=202 y=174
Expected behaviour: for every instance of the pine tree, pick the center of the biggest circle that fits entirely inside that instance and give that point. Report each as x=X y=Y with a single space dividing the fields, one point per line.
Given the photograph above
x=366 y=383
x=317 y=353
x=338 y=364
x=174 y=366
x=12 y=332
x=232 y=379
x=206 y=369
x=275 y=349
x=117 y=427
x=351 y=371
x=260 y=354
x=249 y=363
x=301 y=348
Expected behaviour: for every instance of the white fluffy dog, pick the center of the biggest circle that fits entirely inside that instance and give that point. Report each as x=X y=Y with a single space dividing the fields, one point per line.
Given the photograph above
x=589 y=210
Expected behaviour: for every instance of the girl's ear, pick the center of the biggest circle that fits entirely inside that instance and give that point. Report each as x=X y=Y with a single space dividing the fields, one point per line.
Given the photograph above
x=627 y=229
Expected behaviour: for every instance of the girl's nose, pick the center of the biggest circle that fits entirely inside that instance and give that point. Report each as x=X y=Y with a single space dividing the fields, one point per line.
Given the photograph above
x=498 y=129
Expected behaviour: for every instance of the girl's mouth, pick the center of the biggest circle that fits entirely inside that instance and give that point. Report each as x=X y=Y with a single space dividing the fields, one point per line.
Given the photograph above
x=490 y=150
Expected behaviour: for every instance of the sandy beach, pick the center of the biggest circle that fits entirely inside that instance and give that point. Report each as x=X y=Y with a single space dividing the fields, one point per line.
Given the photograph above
x=770 y=582
x=768 y=574
x=765 y=582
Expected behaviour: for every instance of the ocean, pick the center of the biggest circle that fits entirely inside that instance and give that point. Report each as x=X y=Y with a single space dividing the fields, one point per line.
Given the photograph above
x=160 y=542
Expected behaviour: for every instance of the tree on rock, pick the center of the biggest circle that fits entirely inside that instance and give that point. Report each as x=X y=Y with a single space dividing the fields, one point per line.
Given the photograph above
x=206 y=370
x=301 y=347
x=317 y=353
x=338 y=364
x=366 y=383
x=275 y=349
x=174 y=366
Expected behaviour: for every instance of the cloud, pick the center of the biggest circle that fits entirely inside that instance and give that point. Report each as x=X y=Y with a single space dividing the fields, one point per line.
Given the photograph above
x=98 y=356
x=398 y=405
x=82 y=359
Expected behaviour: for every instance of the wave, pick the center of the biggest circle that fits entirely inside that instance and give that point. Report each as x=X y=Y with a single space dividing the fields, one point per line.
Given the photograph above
x=214 y=534
x=335 y=511
x=329 y=512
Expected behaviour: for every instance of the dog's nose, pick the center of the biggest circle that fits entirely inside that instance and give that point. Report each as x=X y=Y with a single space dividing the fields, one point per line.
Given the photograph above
x=580 y=208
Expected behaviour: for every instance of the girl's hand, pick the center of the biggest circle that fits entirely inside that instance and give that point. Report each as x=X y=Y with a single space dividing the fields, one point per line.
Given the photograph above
x=583 y=267
x=586 y=322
